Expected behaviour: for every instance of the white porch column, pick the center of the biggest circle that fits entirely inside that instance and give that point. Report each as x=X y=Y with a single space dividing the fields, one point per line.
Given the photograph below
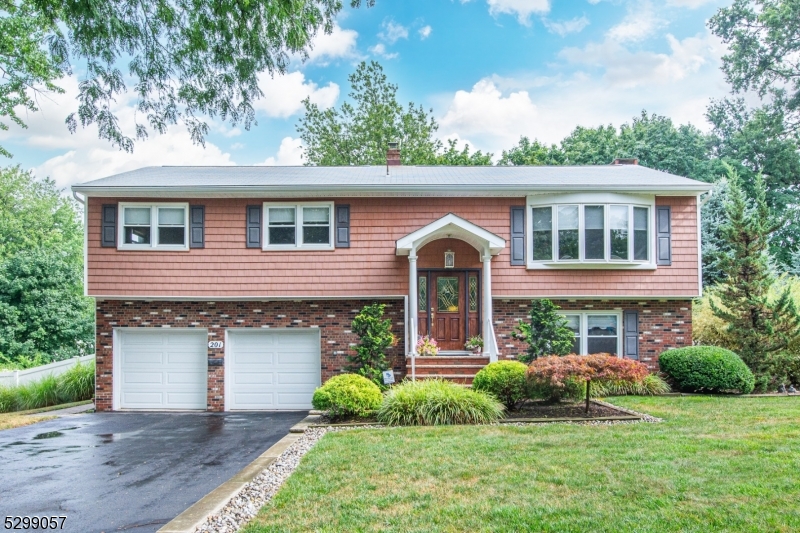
x=489 y=348
x=413 y=305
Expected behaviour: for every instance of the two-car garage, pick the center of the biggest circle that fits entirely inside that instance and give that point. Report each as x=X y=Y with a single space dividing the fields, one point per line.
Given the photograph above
x=167 y=369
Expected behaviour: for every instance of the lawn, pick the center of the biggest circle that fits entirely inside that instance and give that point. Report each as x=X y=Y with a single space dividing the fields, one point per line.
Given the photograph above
x=19 y=418
x=716 y=464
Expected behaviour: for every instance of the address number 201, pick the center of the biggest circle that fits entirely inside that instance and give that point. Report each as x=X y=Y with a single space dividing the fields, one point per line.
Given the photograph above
x=216 y=344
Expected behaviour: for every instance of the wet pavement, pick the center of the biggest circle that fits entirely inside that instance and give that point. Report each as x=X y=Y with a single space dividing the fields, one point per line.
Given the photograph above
x=129 y=472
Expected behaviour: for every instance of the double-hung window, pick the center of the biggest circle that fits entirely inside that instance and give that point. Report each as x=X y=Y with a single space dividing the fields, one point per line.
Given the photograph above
x=154 y=226
x=306 y=226
x=575 y=233
x=595 y=332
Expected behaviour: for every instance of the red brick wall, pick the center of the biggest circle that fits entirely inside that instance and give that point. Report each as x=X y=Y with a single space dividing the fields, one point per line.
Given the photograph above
x=662 y=324
x=369 y=268
x=332 y=317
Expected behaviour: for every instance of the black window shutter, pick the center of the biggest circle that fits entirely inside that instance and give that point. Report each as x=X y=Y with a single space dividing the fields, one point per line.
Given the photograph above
x=343 y=226
x=517 y=235
x=108 y=236
x=663 y=235
x=254 y=226
x=631 y=326
x=197 y=220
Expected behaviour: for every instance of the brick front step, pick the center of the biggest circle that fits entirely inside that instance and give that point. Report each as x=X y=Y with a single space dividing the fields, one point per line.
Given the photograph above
x=445 y=360
x=461 y=379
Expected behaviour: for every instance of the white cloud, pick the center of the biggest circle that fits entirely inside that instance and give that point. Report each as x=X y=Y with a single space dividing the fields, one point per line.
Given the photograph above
x=290 y=153
x=392 y=32
x=86 y=157
x=487 y=116
x=523 y=9
x=424 y=32
x=612 y=85
x=284 y=94
x=380 y=50
x=640 y=22
x=237 y=146
x=565 y=27
x=339 y=43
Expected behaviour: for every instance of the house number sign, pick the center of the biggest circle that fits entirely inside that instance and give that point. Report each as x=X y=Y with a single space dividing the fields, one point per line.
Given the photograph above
x=216 y=344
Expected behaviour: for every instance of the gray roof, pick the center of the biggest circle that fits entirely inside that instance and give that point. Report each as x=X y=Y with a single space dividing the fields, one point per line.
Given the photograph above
x=373 y=180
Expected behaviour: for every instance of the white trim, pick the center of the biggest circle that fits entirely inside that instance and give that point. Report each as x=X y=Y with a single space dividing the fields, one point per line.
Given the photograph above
x=450 y=226
x=298 y=227
x=584 y=327
x=153 y=245
x=606 y=200
x=596 y=297
x=699 y=209
x=385 y=297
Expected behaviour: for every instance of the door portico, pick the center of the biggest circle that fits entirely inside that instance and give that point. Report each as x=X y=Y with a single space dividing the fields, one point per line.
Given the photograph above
x=487 y=244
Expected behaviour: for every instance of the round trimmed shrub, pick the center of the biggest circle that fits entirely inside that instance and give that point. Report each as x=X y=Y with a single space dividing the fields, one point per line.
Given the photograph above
x=348 y=394
x=505 y=380
x=434 y=402
x=707 y=369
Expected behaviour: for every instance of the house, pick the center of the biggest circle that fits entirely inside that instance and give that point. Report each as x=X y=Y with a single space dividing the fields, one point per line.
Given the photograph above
x=225 y=288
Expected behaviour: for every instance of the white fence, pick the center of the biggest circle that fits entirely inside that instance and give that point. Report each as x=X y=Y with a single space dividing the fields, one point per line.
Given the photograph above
x=20 y=377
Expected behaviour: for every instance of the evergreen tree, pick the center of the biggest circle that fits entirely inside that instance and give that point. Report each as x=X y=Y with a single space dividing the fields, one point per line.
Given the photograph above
x=760 y=326
x=546 y=333
x=375 y=334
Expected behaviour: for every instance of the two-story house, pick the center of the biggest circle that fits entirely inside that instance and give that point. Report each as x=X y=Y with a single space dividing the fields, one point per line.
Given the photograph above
x=225 y=288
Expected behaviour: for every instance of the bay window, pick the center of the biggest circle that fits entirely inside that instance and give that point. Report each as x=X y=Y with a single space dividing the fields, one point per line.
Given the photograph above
x=590 y=233
x=153 y=226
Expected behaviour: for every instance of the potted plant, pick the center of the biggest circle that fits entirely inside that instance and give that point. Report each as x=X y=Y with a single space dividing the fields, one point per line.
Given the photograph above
x=427 y=347
x=475 y=344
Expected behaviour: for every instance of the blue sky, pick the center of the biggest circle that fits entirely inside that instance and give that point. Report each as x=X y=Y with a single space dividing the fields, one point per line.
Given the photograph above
x=491 y=70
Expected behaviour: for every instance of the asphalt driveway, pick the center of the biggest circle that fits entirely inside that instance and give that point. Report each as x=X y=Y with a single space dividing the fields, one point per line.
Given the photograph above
x=129 y=472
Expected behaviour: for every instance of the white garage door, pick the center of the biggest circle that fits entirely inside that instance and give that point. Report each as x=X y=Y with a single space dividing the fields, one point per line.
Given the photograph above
x=272 y=369
x=162 y=369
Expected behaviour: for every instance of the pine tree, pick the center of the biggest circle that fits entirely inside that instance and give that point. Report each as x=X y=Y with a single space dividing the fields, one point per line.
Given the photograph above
x=760 y=326
x=546 y=333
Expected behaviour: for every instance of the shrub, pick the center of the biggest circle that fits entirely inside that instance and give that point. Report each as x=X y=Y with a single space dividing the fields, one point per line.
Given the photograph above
x=651 y=385
x=555 y=378
x=436 y=402
x=707 y=369
x=505 y=380
x=546 y=333
x=39 y=393
x=348 y=394
x=77 y=383
x=8 y=399
x=375 y=335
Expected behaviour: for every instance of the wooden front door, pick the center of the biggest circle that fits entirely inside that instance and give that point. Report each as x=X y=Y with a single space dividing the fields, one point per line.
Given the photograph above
x=448 y=311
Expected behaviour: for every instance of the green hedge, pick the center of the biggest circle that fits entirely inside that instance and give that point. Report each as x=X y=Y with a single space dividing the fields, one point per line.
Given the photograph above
x=346 y=395
x=707 y=369
x=505 y=380
x=74 y=385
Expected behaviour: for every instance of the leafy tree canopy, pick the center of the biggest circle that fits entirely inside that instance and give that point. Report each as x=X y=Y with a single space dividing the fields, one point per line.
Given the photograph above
x=34 y=214
x=531 y=153
x=452 y=156
x=186 y=59
x=763 y=37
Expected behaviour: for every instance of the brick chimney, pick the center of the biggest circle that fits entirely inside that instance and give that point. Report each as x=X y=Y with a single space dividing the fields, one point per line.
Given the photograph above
x=625 y=161
x=393 y=155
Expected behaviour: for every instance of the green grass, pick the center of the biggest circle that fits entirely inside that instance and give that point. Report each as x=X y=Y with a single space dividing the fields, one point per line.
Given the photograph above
x=716 y=464
x=74 y=385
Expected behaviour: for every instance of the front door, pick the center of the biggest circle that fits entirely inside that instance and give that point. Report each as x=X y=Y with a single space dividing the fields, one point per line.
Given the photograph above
x=448 y=325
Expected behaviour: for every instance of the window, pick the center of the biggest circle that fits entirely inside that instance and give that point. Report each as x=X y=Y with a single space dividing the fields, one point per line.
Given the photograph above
x=299 y=226
x=595 y=332
x=154 y=226
x=586 y=233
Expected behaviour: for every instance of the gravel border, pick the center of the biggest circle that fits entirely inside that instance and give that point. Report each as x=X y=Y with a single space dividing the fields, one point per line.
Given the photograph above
x=247 y=503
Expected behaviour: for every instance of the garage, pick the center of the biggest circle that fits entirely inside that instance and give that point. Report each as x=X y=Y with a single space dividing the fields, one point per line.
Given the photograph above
x=161 y=369
x=271 y=369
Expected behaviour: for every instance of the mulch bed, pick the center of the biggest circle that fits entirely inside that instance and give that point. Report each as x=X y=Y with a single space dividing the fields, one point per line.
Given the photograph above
x=529 y=409
x=541 y=409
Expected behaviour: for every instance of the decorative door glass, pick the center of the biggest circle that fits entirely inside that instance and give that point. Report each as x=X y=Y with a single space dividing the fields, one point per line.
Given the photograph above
x=447 y=294
x=422 y=298
x=473 y=294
